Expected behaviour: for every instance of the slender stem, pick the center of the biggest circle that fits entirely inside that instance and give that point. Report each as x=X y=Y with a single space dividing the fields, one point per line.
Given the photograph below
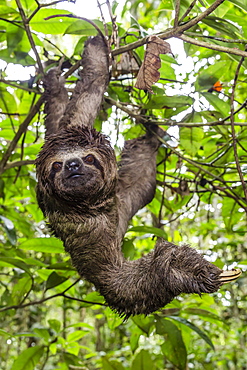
x=204 y=44
x=187 y=11
x=44 y=6
x=34 y=110
x=77 y=17
x=29 y=35
x=221 y=39
x=177 y=9
x=62 y=294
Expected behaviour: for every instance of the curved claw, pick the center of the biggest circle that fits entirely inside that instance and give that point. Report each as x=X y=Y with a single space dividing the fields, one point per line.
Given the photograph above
x=230 y=275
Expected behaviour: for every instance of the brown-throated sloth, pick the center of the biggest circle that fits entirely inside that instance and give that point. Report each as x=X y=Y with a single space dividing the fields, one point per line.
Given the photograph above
x=88 y=201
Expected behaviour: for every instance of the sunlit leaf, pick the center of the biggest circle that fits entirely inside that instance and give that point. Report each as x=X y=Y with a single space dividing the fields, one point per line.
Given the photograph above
x=54 y=279
x=173 y=347
x=148 y=230
x=191 y=138
x=46 y=245
x=143 y=361
x=190 y=325
x=28 y=359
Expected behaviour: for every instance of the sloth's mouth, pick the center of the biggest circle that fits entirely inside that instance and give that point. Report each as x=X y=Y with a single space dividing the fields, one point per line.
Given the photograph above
x=74 y=175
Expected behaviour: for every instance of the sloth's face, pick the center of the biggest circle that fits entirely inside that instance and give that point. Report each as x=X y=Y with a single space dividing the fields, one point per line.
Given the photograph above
x=76 y=166
x=77 y=173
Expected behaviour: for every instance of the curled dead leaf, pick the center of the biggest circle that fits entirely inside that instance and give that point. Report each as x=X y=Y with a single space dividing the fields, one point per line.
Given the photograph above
x=148 y=73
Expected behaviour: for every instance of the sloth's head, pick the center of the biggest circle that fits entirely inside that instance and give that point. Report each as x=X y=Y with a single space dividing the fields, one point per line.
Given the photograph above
x=76 y=166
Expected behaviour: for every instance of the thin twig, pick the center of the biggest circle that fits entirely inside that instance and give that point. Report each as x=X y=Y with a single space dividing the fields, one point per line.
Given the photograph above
x=18 y=86
x=77 y=17
x=103 y=19
x=19 y=164
x=44 y=6
x=34 y=110
x=144 y=119
x=177 y=9
x=62 y=294
x=204 y=44
x=215 y=177
x=29 y=35
x=215 y=38
x=187 y=11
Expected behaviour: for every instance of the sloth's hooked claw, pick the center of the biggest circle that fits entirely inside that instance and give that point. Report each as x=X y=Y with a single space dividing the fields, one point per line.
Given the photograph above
x=230 y=275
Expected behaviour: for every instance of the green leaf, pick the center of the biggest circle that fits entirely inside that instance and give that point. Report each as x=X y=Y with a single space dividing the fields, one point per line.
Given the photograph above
x=14 y=37
x=53 y=26
x=42 y=333
x=111 y=364
x=76 y=335
x=55 y=325
x=203 y=313
x=113 y=319
x=80 y=27
x=7 y=101
x=143 y=361
x=128 y=248
x=208 y=76
x=193 y=327
x=173 y=348
x=222 y=26
x=149 y=230
x=5 y=334
x=7 y=12
x=54 y=280
x=219 y=105
x=243 y=262
x=21 y=288
x=240 y=3
x=191 y=138
x=28 y=358
x=81 y=324
x=162 y=102
x=94 y=298
x=46 y=245
x=144 y=323
x=230 y=213
x=9 y=228
x=16 y=262
x=134 y=339
x=66 y=266
x=17 y=57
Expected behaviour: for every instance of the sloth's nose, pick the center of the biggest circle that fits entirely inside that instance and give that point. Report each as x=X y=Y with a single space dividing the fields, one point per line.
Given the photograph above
x=73 y=164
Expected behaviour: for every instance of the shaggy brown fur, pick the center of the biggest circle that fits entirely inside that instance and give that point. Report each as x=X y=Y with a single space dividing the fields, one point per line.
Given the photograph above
x=89 y=201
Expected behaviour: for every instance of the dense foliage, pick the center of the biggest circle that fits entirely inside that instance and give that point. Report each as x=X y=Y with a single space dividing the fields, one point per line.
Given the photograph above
x=49 y=318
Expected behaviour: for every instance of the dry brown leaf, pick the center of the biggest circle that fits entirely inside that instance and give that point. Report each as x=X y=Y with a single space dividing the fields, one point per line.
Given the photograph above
x=148 y=73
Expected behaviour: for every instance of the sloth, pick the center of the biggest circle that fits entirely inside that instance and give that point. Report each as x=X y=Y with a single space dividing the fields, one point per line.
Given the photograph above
x=89 y=198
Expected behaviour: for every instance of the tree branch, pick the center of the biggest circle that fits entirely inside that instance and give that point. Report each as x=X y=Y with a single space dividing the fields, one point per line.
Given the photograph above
x=62 y=294
x=18 y=164
x=34 y=110
x=29 y=35
x=170 y=32
x=204 y=44
x=145 y=119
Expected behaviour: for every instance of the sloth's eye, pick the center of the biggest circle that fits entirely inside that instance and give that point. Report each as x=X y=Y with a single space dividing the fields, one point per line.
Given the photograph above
x=89 y=159
x=57 y=166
